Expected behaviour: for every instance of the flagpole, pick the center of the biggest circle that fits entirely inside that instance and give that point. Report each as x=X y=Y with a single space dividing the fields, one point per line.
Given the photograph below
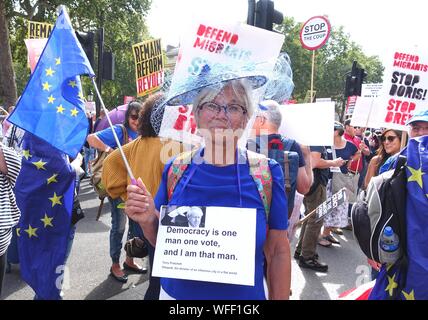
x=128 y=168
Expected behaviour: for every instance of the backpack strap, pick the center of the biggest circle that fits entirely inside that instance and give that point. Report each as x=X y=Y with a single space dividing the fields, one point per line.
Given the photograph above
x=287 y=143
x=260 y=171
x=124 y=134
x=177 y=169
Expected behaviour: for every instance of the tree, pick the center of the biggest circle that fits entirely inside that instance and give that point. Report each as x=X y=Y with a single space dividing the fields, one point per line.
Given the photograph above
x=123 y=23
x=7 y=74
x=332 y=62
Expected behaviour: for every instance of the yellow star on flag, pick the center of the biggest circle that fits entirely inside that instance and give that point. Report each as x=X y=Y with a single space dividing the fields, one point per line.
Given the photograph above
x=51 y=99
x=18 y=232
x=72 y=83
x=391 y=285
x=26 y=154
x=40 y=164
x=74 y=112
x=47 y=221
x=31 y=231
x=55 y=199
x=58 y=61
x=49 y=72
x=409 y=296
x=52 y=179
x=416 y=175
x=46 y=86
x=60 y=109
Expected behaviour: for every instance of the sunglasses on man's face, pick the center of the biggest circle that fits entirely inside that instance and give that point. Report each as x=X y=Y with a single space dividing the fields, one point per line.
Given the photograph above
x=134 y=116
x=389 y=138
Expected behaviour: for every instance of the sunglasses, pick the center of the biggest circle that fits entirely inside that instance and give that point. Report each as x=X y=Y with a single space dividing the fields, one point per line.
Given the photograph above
x=357 y=128
x=389 y=138
x=134 y=116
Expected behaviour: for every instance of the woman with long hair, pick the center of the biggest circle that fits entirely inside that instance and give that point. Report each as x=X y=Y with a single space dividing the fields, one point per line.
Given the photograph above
x=390 y=143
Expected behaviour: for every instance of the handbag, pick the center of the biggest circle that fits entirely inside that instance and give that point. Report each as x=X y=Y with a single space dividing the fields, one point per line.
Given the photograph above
x=136 y=248
x=348 y=181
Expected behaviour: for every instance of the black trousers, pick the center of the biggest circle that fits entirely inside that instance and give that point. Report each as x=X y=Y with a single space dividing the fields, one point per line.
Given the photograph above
x=2 y=269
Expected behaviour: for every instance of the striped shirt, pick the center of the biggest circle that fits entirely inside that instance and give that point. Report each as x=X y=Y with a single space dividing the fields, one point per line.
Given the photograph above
x=9 y=211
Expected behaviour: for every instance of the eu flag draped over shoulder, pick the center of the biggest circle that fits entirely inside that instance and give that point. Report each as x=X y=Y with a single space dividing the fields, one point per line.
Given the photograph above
x=416 y=284
x=51 y=106
x=44 y=193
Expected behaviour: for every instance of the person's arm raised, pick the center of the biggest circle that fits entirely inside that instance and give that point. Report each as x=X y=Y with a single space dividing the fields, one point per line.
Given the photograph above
x=140 y=207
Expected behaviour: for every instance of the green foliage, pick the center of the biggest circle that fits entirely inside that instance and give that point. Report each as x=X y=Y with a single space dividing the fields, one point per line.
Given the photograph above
x=123 y=23
x=332 y=62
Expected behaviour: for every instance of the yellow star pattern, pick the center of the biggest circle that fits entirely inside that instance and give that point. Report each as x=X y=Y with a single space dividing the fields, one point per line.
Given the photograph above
x=26 y=154
x=52 y=179
x=46 y=86
x=18 y=232
x=416 y=175
x=31 y=231
x=55 y=199
x=51 y=99
x=391 y=285
x=40 y=164
x=60 y=109
x=72 y=83
x=47 y=221
x=409 y=296
x=74 y=112
x=49 y=72
x=58 y=61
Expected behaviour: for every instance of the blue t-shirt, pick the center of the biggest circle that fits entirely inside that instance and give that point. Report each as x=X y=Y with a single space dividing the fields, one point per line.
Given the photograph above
x=106 y=135
x=218 y=186
x=346 y=153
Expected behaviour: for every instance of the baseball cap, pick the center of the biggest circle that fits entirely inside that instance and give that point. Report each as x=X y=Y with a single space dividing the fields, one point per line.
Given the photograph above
x=420 y=116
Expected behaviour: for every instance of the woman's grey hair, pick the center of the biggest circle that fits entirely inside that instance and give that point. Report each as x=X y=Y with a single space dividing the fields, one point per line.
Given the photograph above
x=273 y=114
x=241 y=87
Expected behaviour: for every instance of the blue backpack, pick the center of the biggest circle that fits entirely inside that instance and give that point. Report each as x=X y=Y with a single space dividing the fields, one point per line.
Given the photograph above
x=279 y=150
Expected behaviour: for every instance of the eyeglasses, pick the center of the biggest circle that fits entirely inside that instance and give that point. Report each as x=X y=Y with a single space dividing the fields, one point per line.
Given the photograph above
x=389 y=138
x=134 y=116
x=232 y=109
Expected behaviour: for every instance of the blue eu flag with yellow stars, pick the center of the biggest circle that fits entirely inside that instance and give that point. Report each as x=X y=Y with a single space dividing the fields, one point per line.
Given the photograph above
x=52 y=106
x=44 y=194
x=416 y=281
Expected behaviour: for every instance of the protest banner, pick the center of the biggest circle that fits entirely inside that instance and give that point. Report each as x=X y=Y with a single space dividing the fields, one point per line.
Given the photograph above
x=39 y=30
x=210 y=250
x=35 y=48
x=149 y=66
x=178 y=123
x=405 y=87
x=308 y=123
x=327 y=206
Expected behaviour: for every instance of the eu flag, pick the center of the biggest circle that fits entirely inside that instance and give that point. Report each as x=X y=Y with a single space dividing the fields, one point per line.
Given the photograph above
x=51 y=106
x=44 y=194
x=416 y=284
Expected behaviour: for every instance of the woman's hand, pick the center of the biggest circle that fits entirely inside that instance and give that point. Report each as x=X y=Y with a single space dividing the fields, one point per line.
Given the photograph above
x=140 y=206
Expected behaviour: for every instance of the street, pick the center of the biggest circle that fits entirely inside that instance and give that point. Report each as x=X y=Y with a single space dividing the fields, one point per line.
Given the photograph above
x=89 y=264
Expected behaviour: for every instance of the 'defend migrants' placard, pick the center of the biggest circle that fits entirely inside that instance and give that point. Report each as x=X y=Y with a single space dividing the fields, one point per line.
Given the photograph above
x=405 y=87
x=149 y=66
x=206 y=244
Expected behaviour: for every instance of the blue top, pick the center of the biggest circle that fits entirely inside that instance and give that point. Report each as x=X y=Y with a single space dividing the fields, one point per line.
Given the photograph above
x=218 y=186
x=346 y=153
x=106 y=135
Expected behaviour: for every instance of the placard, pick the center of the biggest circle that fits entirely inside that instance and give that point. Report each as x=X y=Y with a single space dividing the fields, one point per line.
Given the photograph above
x=217 y=248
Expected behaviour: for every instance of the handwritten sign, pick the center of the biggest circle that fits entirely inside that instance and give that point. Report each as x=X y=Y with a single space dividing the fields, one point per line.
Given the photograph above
x=220 y=250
